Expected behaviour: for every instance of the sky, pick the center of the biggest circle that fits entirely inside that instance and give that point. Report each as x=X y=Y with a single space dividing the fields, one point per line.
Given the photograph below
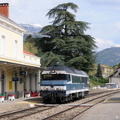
x=103 y=16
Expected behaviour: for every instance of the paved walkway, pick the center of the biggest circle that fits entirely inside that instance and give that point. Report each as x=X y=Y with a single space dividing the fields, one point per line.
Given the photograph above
x=108 y=110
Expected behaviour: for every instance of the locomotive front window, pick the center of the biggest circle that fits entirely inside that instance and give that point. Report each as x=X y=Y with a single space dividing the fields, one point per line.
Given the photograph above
x=47 y=77
x=54 y=77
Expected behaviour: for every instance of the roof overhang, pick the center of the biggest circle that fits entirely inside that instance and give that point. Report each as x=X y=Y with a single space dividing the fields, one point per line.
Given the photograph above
x=17 y=67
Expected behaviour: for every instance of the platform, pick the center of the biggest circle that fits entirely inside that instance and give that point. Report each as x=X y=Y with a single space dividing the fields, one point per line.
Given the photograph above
x=18 y=104
x=107 y=110
x=113 y=100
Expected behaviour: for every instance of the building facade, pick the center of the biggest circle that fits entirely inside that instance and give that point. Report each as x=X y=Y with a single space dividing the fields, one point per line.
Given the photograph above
x=106 y=71
x=19 y=69
x=115 y=77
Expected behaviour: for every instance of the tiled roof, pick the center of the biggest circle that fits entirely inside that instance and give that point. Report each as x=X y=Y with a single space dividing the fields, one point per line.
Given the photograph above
x=26 y=52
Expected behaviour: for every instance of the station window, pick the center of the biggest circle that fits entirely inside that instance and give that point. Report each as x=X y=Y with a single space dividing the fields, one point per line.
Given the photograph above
x=16 y=48
x=3 y=45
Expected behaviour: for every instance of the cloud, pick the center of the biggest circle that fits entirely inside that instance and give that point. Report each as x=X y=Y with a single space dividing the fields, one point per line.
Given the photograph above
x=103 y=44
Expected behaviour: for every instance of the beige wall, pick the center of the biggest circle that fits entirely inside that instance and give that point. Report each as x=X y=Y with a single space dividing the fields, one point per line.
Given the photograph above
x=33 y=60
x=10 y=83
x=11 y=38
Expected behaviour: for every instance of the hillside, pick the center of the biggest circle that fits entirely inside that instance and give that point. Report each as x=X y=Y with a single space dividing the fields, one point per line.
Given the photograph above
x=32 y=29
x=109 y=56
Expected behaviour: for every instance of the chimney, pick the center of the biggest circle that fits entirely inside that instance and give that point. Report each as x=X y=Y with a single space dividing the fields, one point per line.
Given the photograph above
x=4 y=9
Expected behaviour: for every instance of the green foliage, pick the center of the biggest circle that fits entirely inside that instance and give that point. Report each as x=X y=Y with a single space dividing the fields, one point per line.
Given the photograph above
x=94 y=78
x=64 y=41
x=99 y=71
x=98 y=81
x=52 y=59
x=104 y=80
x=29 y=46
x=117 y=65
x=95 y=83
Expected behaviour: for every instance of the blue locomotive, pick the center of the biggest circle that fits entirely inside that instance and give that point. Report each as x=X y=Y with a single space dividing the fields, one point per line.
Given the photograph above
x=61 y=83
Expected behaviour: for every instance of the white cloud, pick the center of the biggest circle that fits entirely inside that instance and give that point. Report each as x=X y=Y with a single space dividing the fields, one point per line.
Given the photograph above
x=103 y=44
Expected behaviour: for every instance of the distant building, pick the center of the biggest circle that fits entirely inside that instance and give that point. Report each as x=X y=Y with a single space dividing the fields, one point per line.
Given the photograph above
x=115 y=77
x=19 y=69
x=106 y=70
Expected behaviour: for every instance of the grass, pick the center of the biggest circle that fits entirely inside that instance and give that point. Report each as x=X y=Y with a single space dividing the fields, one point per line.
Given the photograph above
x=96 y=81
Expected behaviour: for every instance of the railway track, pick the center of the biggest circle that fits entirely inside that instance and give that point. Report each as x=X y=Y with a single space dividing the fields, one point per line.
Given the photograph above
x=23 y=113
x=72 y=112
x=62 y=112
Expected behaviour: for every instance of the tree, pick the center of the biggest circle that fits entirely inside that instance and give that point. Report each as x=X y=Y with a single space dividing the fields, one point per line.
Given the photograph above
x=65 y=39
x=99 y=71
x=30 y=46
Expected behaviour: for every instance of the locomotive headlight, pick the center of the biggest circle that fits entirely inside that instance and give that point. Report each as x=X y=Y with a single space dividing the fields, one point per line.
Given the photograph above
x=45 y=88
x=61 y=88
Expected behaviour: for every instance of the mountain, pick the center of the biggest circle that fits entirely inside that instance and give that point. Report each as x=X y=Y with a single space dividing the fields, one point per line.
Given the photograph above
x=32 y=29
x=109 y=56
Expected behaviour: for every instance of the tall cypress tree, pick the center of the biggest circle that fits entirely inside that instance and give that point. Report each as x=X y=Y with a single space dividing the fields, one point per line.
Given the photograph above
x=99 y=71
x=64 y=41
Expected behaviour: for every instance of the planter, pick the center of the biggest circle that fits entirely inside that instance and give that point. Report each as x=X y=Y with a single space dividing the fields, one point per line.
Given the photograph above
x=11 y=97
x=27 y=95
x=2 y=98
x=34 y=94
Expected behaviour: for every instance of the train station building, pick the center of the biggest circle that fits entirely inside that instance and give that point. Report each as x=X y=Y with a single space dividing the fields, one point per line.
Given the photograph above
x=19 y=69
